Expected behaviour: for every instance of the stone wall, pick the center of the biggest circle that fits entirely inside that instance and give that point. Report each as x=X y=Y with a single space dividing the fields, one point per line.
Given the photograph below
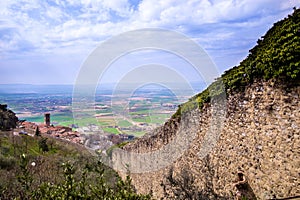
x=260 y=138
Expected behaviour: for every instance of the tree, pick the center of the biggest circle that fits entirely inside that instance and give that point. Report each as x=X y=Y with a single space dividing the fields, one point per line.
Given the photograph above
x=43 y=145
x=37 y=131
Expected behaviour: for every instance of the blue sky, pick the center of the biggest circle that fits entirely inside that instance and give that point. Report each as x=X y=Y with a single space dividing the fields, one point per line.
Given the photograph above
x=46 y=42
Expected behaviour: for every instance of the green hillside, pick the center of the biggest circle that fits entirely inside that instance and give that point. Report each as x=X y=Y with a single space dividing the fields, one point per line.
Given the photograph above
x=276 y=56
x=47 y=168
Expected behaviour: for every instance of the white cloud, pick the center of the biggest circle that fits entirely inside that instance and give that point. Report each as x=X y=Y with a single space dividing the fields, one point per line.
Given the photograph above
x=55 y=13
x=40 y=23
x=77 y=26
x=11 y=44
x=122 y=7
x=202 y=12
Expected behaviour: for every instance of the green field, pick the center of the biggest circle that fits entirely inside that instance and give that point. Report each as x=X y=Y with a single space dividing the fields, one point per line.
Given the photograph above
x=145 y=119
x=124 y=123
x=140 y=111
x=56 y=118
x=111 y=130
x=66 y=119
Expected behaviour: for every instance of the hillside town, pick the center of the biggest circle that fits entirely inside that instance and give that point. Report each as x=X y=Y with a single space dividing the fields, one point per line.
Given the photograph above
x=91 y=140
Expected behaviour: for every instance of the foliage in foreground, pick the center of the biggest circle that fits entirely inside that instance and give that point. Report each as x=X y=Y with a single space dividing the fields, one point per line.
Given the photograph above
x=71 y=188
x=64 y=171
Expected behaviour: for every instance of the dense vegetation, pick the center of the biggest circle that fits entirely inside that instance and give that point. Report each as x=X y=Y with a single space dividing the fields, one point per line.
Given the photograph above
x=46 y=168
x=276 y=56
x=8 y=118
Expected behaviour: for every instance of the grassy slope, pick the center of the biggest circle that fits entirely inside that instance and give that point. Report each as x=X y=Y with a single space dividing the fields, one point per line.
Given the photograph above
x=276 y=56
x=13 y=147
x=67 y=169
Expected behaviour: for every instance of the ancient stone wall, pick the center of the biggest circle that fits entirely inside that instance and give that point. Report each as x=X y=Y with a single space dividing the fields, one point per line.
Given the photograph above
x=260 y=138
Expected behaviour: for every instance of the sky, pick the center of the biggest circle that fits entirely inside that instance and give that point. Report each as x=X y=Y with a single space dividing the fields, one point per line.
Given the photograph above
x=47 y=42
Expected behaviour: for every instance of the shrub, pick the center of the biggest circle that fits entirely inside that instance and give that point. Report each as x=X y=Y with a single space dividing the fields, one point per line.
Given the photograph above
x=43 y=144
x=7 y=162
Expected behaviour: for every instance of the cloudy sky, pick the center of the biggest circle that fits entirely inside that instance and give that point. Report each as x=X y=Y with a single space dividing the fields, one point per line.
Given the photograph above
x=46 y=42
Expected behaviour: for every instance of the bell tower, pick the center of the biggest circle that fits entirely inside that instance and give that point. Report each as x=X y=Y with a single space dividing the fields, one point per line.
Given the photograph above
x=47 y=119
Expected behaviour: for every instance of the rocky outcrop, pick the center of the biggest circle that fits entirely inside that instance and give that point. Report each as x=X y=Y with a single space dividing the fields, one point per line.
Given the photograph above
x=260 y=139
x=8 y=119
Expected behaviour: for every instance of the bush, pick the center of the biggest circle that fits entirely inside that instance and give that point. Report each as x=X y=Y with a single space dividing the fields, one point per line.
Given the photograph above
x=72 y=188
x=7 y=162
x=43 y=144
x=93 y=180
